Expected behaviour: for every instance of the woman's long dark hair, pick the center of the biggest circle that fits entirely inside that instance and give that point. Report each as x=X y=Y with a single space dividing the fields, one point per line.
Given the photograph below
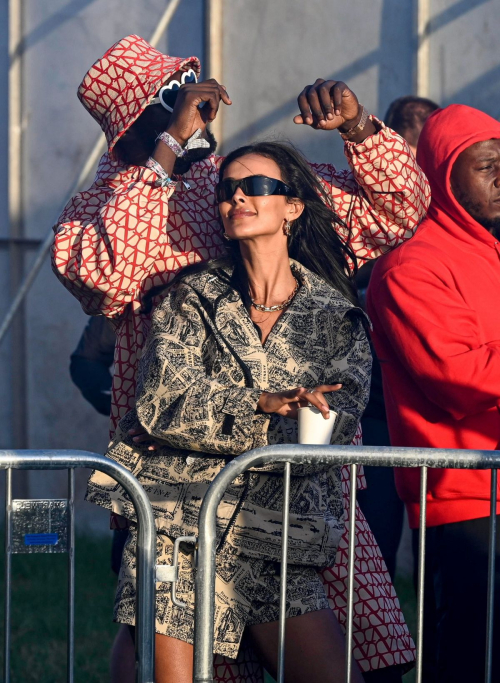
x=314 y=241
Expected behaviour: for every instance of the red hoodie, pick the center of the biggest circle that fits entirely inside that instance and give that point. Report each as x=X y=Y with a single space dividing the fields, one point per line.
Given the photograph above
x=435 y=307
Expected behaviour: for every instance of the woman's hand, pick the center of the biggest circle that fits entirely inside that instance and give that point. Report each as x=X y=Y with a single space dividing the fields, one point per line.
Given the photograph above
x=287 y=403
x=140 y=435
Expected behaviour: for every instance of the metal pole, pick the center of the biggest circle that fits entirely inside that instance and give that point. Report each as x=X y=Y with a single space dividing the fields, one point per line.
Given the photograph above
x=421 y=574
x=71 y=577
x=15 y=112
x=422 y=66
x=491 y=578
x=146 y=544
x=8 y=575
x=213 y=55
x=93 y=158
x=350 y=571
x=164 y=22
x=16 y=222
x=283 y=577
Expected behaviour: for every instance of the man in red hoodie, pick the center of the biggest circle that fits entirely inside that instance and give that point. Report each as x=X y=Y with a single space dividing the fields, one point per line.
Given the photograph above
x=435 y=303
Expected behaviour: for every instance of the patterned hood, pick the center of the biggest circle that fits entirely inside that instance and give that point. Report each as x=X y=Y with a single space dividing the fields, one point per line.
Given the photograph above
x=120 y=85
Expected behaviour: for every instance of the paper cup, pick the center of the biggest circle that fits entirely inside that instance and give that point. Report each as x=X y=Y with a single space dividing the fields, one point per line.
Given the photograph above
x=313 y=428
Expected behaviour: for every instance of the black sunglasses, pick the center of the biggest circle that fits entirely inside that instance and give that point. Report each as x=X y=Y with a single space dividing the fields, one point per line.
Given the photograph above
x=252 y=186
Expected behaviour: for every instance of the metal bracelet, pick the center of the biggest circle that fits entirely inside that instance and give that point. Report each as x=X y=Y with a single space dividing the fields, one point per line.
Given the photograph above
x=359 y=127
x=172 y=143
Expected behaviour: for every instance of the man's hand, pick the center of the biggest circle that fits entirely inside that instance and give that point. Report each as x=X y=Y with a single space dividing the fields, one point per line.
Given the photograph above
x=187 y=116
x=287 y=403
x=327 y=105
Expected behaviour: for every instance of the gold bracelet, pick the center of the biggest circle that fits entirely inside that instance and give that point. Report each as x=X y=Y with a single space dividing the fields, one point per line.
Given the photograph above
x=358 y=128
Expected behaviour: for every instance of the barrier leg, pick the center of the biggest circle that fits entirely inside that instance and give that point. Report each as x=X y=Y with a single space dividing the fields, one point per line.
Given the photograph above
x=145 y=605
x=421 y=574
x=350 y=572
x=71 y=577
x=8 y=574
x=283 y=577
x=491 y=579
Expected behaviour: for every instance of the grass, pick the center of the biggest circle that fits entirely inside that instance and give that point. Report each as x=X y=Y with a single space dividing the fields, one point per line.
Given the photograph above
x=39 y=591
x=39 y=603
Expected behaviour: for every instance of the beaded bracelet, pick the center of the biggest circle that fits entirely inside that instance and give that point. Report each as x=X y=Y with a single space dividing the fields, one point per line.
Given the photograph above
x=165 y=179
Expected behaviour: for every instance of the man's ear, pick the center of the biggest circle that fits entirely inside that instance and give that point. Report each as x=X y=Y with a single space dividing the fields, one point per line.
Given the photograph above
x=294 y=208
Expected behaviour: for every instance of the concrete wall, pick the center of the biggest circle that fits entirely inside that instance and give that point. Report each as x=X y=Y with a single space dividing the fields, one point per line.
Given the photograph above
x=272 y=48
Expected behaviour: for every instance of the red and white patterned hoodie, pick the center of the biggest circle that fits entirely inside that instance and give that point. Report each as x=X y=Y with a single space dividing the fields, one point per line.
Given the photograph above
x=127 y=233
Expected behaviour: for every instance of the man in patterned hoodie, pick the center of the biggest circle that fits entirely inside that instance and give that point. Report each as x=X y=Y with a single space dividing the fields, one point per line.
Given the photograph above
x=152 y=210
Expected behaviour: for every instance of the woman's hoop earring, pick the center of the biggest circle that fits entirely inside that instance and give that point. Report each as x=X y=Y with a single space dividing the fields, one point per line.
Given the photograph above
x=226 y=236
x=288 y=228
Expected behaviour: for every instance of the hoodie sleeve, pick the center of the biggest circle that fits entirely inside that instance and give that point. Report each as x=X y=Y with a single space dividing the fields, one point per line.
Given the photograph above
x=435 y=335
x=177 y=401
x=383 y=197
x=107 y=240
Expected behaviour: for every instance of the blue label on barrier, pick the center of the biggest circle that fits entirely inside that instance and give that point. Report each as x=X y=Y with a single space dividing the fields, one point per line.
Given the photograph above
x=41 y=539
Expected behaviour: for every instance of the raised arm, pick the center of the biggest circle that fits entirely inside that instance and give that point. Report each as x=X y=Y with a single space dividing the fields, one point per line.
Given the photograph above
x=178 y=403
x=385 y=195
x=108 y=237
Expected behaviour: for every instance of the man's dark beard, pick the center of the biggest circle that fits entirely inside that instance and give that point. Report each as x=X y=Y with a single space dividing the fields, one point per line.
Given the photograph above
x=492 y=225
x=183 y=164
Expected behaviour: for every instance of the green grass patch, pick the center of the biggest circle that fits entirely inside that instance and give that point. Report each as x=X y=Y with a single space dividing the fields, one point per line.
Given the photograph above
x=39 y=614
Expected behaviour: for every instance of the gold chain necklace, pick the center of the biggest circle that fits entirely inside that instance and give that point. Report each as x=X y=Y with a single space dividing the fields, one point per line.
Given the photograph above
x=278 y=307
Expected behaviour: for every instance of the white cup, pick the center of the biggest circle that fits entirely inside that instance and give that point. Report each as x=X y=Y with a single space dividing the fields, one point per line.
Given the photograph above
x=313 y=428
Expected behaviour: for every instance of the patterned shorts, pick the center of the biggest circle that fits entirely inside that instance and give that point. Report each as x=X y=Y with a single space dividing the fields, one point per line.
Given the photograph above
x=246 y=593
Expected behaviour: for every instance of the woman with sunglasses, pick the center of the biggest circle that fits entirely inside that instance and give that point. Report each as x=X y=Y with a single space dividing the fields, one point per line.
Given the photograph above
x=237 y=345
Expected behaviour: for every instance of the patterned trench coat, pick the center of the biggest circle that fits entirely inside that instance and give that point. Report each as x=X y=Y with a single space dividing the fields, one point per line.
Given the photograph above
x=201 y=375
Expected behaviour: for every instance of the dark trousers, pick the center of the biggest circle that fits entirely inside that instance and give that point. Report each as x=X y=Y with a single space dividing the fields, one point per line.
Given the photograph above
x=455 y=602
x=391 y=674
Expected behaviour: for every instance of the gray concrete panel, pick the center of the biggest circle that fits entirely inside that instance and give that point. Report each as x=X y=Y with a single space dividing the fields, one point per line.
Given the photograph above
x=273 y=49
x=465 y=49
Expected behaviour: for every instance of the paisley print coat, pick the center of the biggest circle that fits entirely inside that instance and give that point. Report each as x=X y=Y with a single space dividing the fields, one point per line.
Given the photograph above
x=201 y=374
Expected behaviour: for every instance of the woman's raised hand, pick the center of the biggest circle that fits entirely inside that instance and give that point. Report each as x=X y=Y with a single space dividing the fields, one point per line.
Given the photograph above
x=326 y=105
x=287 y=403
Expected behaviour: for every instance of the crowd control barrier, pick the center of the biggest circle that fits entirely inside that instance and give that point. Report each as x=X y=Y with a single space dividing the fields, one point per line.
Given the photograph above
x=48 y=526
x=334 y=455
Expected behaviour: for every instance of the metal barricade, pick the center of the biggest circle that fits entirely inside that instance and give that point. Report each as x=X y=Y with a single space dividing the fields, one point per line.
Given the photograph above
x=334 y=455
x=62 y=521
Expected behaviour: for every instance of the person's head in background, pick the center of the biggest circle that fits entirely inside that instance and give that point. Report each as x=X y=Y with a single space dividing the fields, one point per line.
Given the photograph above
x=407 y=116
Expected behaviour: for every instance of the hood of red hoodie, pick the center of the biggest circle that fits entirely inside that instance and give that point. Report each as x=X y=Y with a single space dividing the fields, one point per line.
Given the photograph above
x=447 y=132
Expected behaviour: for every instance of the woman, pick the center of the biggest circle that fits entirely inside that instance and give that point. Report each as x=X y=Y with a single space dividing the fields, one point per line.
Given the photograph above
x=236 y=346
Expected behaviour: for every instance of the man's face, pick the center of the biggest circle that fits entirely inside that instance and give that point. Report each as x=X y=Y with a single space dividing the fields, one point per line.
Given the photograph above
x=475 y=182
